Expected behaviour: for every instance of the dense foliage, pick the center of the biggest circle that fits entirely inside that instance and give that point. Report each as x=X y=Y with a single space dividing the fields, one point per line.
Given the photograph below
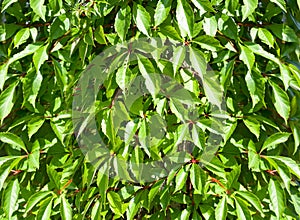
x=252 y=46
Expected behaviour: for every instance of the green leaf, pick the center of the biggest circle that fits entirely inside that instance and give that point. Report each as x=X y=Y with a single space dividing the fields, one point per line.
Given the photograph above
x=248 y=8
x=115 y=202
x=274 y=139
x=221 y=209
x=142 y=19
x=7 y=31
x=195 y=176
x=65 y=208
x=40 y=56
x=290 y=163
x=253 y=125
x=228 y=27
x=162 y=11
x=266 y=37
x=11 y=197
x=33 y=157
x=45 y=209
x=251 y=198
x=281 y=4
x=185 y=18
x=181 y=178
x=59 y=26
x=21 y=37
x=242 y=210
x=276 y=195
x=247 y=56
x=35 y=198
x=7 y=3
x=281 y=101
x=208 y=42
x=13 y=140
x=258 y=49
x=203 y=6
x=39 y=8
x=283 y=32
x=34 y=125
x=122 y=22
x=7 y=101
x=100 y=35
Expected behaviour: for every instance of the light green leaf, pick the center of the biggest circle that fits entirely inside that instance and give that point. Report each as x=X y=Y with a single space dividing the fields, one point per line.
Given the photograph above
x=115 y=202
x=181 y=178
x=266 y=37
x=162 y=11
x=40 y=56
x=281 y=101
x=203 y=6
x=39 y=8
x=12 y=139
x=100 y=35
x=122 y=22
x=21 y=37
x=7 y=101
x=195 y=176
x=35 y=198
x=248 y=8
x=281 y=4
x=247 y=56
x=221 y=209
x=283 y=32
x=7 y=30
x=253 y=125
x=208 y=42
x=142 y=19
x=44 y=212
x=257 y=49
x=34 y=157
x=65 y=209
x=277 y=199
x=185 y=18
x=34 y=125
x=274 y=139
x=11 y=197
x=251 y=198
x=242 y=210
x=7 y=3
x=290 y=163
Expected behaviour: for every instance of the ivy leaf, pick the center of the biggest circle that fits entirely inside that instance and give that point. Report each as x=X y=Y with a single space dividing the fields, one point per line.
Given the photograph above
x=142 y=19
x=251 y=198
x=7 y=101
x=115 y=202
x=122 y=22
x=45 y=209
x=7 y=3
x=281 y=4
x=13 y=140
x=185 y=18
x=65 y=209
x=21 y=37
x=181 y=178
x=35 y=198
x=11 y=197
x=195 y=176
x=266 y=37
x=248 y=8
x=276 y=195
x=275 y=139
x=247 y=56
x=281 y=101
x=242 y=210
x=162 y=11
x=39 y=8
x=283 y=32
x=221 y=209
